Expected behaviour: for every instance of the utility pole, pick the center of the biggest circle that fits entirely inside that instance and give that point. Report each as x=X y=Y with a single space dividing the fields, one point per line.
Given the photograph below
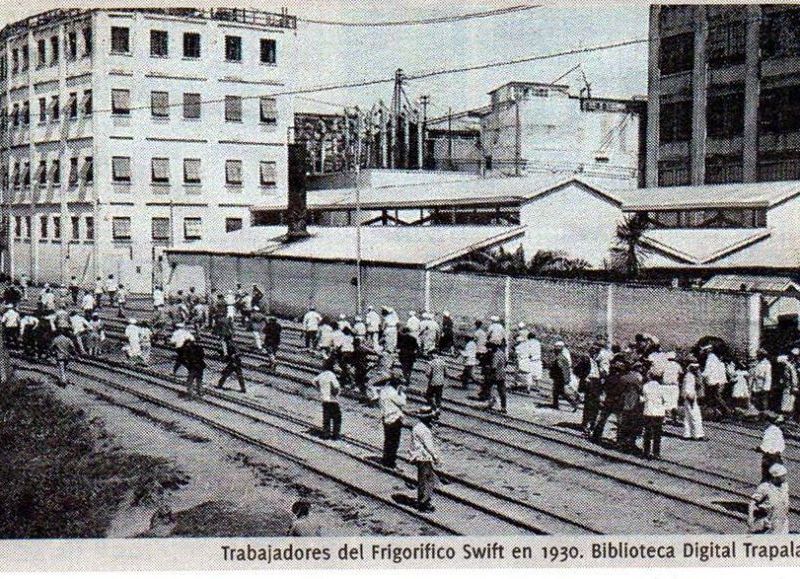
x=450 y=138
x=424 y=100
x=518 y=139
x=359 y=296
x=396 y=98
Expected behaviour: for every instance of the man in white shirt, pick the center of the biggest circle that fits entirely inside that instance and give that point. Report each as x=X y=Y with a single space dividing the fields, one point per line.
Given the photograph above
x=373 y=323
x=768 y=512
x=158 y=297
x=761 y=384
x=496 y=333
x=715 y=377
x=87 y=304
x=469 y=355
x=428 y=333
x=178 y=339
x=392 y=402
x=311 y=327
x=329 y=389
x=80 y=326
x=47 y=299
x=413 y=324
x=654 y=411
x=390 y=323
x=10 y=321
x=772 y=445
x=425 y=455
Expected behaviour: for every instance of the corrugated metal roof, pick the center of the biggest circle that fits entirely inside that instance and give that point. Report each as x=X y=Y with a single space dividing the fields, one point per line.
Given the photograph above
x=764 y=284
x=700 y=196
x=701 y=246
x=411 y=246
x=488 y=191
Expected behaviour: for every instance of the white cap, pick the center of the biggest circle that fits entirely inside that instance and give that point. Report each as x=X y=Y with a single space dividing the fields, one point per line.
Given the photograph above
x=559 y=344
x=795 y=351
x=521 y=325
x=412 y=313
x=495 y=318
x=777 y=469
x=256 y=309
x=132 y=321
x=370 y=308
x=670 y=355
x=782 y=358
x=427 y=316
x=342 y=317
x=357 y=318
x=446 y=314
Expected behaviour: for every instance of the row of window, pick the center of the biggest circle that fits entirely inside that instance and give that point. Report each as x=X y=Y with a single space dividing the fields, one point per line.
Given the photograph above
x=50 y=227
x=735 y=218
x=20 y=113
x=160 y=106
x=160 y=171
x=54 y=232
x=160 y=45
x=48 y=53
x=21 y=173
x=729 y=169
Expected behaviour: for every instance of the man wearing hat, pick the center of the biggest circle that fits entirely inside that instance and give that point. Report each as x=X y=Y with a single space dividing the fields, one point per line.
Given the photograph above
x=424 y=455
x=134 y=347
x=412 y=324
x=392 y=403
x=258 y=322
x=428 y=334
x=692 y=414
x=715 y=378
x=359 y=328
x=496 y=332
x=10 y=321
x=329 y=388
x=561 y=374
x=762 y=381
x=373 y=323
x=179 y=339
x=447 y=340
x=772 y=444
x=390 y=323
x=302 y=524
x=768 y=511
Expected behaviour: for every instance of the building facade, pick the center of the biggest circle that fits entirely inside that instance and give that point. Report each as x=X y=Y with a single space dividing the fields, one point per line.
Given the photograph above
x=724 y=88
x=127 y=131
x=537 y=127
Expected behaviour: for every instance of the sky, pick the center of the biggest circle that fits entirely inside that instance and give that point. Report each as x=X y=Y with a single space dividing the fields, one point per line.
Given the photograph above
x=330 y=55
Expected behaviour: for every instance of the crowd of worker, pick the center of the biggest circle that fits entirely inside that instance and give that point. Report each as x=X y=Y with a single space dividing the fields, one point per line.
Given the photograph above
x=374 y=357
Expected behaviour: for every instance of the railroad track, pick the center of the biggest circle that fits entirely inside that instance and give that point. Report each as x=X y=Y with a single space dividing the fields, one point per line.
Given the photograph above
x=458 y=503
x=631 y=478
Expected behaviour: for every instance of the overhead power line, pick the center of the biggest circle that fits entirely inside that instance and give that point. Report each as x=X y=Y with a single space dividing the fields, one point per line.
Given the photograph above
x=418 y=75
x=423 y=21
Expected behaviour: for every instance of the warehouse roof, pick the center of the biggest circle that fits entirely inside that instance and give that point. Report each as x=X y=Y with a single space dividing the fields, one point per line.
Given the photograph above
x=759 y=283
x=490 y=191
x=411 y=246
x=702 y=246
x=765 y=194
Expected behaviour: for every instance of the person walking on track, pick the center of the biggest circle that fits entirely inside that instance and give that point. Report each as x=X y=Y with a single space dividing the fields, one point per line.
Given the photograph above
x=437 y=375
x=561 y=374
x=772 y=446
x=194 y=359
x=329 y=388
x=425 y=456
x=311 y=323
x=392 y=403
x=768 y=511
x=654 y=410
x=469 y=356
x=64 y=351
x=692 y=414
x=233 y=366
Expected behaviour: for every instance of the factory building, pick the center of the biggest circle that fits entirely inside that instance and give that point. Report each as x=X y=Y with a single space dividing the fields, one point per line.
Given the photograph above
x=126 y=131
x=723 y=88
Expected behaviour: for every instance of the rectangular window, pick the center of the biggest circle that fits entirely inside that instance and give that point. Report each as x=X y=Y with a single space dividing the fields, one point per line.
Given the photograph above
x=233 y=172
x=87 y=102
x=269 y=110
x=676 y=122
x=42 y=110
x=672 y=173
x=121 y=169
x=41 y=61
x=76 y=227
x=779 y=166
x=72 y=45
x=159 y=104
x=73 y=105
x=160 y=228
x=191 y=170
x=56 y=104
x=780 y=32
x=676 y=53
x=42 y=175
x=87 y=41
x=121 y=228
x=26 y=60
x=233 y=48
x=26 y=174
x=191 y=105
x=725 y=115
x=88 y=170
x=43 y=223
x=233 y=224
x=55 y=171
x=192 y=228
x=56 y=227
x=15 y=115
x=120 y=101
x=191 y=45
x=18 y=226
x=26 y=113
x=73 y=171
x=14 y=61
x=268 y=51
x=268 y=173
x=159 y=43
x=120 y=40
x=779 y=110
x=233 y=108
x=159 y=170
x=15 y=176
x=90 y=228
x=54 y=50
x=28 y=226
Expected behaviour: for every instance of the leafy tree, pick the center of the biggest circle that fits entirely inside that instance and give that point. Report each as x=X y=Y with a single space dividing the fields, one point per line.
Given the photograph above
x=629 y=252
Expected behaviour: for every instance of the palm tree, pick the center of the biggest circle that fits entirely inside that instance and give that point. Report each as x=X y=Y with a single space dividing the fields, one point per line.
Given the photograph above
x=629 y=252
x=558 y=263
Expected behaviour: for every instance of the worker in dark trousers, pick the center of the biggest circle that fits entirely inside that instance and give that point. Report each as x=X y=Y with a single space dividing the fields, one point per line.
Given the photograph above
x=407 y=353
x=496 y=376
x=194 y=360
x=272 y=341
x=329 y=389
x=233 y=365
x=392 y=402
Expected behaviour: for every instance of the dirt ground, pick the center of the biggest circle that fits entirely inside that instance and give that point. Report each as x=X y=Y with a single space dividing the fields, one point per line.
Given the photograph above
x=212 y=485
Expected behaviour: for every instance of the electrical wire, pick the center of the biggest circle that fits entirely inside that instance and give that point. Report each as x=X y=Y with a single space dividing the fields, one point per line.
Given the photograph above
x=435 y=20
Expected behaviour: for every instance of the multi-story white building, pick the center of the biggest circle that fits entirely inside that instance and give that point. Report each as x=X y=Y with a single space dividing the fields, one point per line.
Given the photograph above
x=126 y=131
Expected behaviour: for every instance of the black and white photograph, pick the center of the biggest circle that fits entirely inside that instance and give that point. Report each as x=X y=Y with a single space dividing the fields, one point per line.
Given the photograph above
x=358 y=284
